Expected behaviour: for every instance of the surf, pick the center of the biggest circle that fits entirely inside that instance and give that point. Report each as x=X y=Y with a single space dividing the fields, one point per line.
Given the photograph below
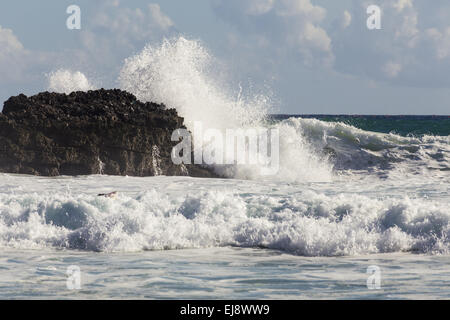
x=357 y=150
x=184 y=75
x=167 y=213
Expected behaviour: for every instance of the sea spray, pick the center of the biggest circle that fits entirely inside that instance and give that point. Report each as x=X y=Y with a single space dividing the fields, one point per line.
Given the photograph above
x=67 y=81
x=385 y=154
x=181 y=73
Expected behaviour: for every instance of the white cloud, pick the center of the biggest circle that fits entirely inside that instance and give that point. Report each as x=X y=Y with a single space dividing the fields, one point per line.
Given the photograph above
x=407 y=27
x=258 y=7
x=406 y=51
x=21 y=70
x=116 y=31
x=159 y=18
x=392 y=69
x=289 y=26
x=303 y=19
x=441 y=41
x=316 y=37
x=13 y=56
x=346 y=19
x=301 y=8
x=126 y=26
x=9 y=42
x=109 y=34
x=402 y=4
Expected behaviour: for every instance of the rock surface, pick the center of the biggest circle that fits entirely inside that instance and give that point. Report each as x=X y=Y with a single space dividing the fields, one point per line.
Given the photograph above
x=94 y=132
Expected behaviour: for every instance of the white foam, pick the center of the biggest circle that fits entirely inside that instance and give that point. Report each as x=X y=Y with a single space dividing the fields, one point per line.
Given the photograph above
x=67 y=81
x=185 y=215
x=182 y=74
x=356 y=149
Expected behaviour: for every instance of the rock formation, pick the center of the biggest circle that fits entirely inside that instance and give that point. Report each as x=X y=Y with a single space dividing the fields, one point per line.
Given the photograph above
x=94 y=132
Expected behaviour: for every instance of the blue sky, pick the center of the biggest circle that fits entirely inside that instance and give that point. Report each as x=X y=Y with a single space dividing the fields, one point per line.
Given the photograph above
x=316 y=56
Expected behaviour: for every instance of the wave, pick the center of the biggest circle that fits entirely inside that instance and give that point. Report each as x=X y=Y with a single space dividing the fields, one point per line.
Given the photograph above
x=308 y=223
x=184 y=75
x=351 y=148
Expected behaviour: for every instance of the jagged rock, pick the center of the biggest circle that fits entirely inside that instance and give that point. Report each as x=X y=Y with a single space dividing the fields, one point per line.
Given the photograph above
x=101 y=131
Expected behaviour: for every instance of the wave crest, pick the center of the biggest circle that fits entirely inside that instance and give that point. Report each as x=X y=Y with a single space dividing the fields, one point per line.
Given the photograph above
x=351 y=148
x=309 y=223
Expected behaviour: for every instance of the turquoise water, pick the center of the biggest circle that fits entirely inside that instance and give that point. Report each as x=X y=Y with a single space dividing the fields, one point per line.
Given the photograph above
x=402 y=125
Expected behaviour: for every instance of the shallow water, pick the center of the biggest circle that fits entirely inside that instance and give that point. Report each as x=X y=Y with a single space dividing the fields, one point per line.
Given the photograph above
x=188 y=238
x=220 y=273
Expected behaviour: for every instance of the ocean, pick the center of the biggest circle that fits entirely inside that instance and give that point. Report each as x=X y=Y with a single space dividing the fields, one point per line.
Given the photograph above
x=359 y=207
x=183 y=237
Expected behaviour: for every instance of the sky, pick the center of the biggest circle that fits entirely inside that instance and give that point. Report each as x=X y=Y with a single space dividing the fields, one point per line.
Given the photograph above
x=314 y=56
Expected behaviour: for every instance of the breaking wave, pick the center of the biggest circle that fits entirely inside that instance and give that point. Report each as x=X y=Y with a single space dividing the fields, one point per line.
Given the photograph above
x=309 y=223
x=183 y=75
x=351 y=148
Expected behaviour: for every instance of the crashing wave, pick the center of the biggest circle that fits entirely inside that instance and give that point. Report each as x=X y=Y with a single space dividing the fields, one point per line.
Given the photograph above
x=308 y=223
x=351 y=148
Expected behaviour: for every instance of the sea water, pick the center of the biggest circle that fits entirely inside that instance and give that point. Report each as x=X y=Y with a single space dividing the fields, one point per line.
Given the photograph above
x=352 y=194
x=220 y=273
x=181 y=237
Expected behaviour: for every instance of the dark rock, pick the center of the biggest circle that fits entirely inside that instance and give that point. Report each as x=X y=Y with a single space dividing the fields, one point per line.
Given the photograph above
x=101 y=131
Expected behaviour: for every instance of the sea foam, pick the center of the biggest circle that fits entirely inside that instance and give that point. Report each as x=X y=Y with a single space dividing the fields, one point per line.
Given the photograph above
x=182 y=74
x=199 y=213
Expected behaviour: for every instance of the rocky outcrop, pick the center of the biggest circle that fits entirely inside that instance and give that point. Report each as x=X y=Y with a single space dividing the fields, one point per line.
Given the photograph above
x=94 y=132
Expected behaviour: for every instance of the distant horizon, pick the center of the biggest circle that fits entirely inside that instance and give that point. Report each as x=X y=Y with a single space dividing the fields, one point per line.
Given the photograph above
x=359 y=115
x=335 y=114
x=287 y=114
